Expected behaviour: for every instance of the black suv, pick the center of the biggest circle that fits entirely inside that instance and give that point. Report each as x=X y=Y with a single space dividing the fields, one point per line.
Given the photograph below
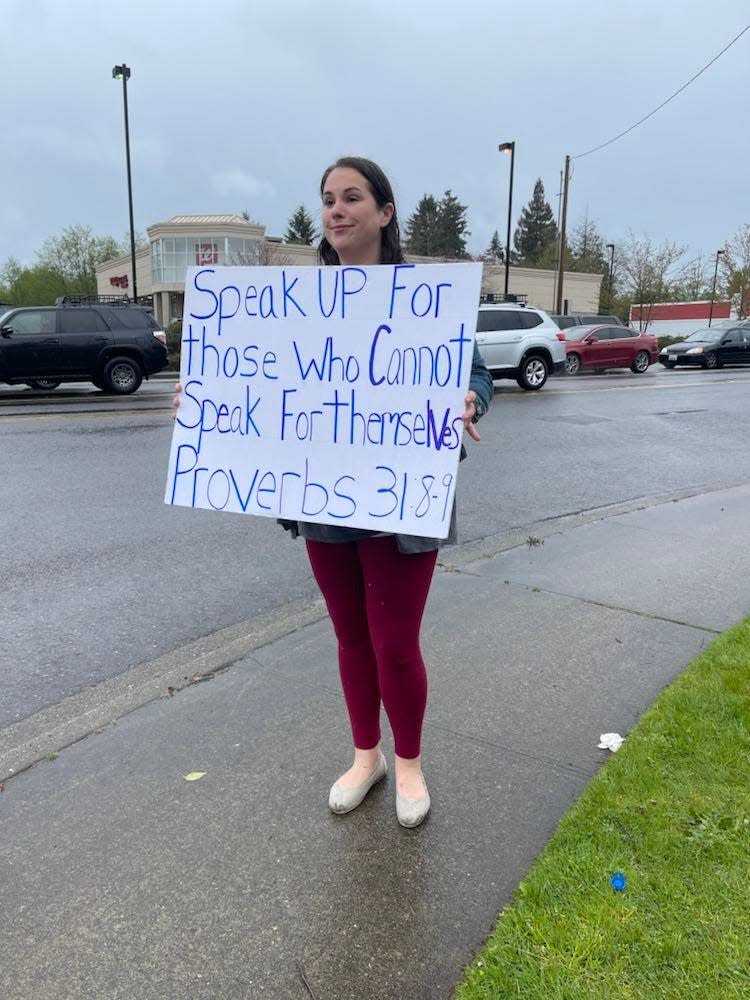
x=110 y=342
x=585 y=319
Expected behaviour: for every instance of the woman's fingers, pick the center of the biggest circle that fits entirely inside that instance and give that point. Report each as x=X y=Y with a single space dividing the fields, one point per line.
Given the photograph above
x=468 y=415
x=176 y=400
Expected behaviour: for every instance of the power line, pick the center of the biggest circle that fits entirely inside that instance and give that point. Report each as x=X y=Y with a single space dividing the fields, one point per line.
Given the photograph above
x=649 y=115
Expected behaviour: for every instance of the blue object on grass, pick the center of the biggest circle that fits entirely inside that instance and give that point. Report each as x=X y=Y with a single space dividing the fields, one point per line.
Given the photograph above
x=618 y=881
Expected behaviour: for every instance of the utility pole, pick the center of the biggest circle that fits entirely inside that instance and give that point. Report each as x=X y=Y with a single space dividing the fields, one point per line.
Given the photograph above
x=564 y=218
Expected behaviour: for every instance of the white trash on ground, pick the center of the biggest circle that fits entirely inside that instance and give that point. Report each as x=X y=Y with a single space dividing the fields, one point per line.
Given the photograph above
x=610 y=741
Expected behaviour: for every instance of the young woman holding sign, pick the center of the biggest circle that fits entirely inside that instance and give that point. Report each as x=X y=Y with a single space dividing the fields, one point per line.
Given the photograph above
x=375 y=585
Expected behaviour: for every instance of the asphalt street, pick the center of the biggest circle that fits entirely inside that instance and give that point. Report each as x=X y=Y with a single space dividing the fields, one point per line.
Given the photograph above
x=100 y=576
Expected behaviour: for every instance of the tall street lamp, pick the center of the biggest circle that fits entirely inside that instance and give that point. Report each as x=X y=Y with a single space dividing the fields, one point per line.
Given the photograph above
x=611 y=248
x=508 y=147
x=123 y=73
x=713 y=287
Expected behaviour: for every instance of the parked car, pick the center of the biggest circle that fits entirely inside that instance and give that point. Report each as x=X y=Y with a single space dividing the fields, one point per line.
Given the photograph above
x=521 y=343
x=112 y=344
x=602 y=347
x=585 y=319
x=710 y=347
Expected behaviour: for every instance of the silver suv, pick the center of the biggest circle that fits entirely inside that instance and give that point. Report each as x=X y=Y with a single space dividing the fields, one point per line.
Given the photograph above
x=520 y=342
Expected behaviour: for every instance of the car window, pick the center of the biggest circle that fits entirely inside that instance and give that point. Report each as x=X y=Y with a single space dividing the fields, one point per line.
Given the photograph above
x=81 y=321
x=133 y=319
x=731 y=337
x=33 y=321
x=497 y=319
x=618 y=333
x=529 y=320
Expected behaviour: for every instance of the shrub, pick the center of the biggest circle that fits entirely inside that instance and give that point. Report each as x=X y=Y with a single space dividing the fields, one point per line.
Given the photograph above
x=666 y=341
x=174 y=338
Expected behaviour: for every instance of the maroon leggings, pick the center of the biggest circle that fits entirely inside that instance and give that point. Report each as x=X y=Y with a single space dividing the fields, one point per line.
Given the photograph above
x=376 y=596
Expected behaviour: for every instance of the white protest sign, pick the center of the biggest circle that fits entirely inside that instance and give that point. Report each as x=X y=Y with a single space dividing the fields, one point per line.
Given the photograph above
x=325 y=394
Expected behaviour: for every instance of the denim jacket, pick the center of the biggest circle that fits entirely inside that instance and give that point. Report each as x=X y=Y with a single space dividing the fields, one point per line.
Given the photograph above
x=480 y=381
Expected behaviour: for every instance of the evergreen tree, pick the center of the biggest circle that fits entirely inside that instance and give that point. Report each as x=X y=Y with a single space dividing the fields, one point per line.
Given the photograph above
x=423 y=228
x=301 y=228
x=587 y=248
x=536 y=228
x=495 y=251
x=453 y=226
x=438 y=228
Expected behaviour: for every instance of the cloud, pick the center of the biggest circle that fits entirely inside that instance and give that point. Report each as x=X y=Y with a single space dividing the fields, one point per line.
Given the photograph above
x=236 y=181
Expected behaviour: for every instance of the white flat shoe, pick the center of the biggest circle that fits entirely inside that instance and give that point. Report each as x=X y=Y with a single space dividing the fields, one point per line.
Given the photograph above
x=411 y=812
x=343 y=800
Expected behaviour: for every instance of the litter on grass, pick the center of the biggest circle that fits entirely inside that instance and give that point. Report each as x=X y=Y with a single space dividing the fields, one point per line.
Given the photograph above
x=610 y=741
x=618 y=881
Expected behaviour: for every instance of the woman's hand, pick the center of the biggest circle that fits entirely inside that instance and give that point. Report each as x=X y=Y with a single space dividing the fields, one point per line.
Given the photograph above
x=468 y=415
x=176 y=400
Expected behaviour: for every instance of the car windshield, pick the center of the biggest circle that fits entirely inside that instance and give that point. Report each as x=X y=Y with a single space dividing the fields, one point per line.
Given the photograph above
x=579 y=332
x=704 y=336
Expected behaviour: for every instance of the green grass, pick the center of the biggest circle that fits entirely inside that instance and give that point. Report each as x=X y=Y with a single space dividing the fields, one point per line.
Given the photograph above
x=671 y=810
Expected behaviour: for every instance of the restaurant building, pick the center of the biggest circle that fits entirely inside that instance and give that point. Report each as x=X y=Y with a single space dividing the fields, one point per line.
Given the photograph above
x=215 y=240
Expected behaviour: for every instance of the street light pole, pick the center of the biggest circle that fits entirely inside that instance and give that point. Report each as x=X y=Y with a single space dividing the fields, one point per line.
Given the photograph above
x=123 y=73
x=713 y=287
x=611 y=248
x=508 y=147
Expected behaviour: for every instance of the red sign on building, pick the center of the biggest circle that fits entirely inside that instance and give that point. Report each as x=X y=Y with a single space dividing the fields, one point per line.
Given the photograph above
x=206 y=253
x=119 y=281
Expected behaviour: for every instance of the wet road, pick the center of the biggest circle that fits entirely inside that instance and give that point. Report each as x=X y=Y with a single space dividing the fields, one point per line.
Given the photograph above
x=98 y=574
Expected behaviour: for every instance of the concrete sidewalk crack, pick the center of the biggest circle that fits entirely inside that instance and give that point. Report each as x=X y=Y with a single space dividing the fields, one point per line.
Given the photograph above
x=617 y=607
x=538 y=758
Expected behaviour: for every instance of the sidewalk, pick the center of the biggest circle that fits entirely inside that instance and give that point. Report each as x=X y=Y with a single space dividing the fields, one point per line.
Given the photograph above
x=119 y=879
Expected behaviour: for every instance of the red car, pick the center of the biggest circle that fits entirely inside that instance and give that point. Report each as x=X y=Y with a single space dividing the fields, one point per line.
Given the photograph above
x=601 y=347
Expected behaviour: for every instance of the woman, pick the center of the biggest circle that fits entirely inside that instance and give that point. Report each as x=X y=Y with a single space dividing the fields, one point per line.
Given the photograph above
x=375 y=585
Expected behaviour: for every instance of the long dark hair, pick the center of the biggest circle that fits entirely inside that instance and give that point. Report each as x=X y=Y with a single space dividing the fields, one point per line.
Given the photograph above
x=382 y=192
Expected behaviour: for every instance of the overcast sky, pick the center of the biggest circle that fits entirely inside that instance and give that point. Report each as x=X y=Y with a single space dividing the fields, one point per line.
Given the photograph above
x=241 y=105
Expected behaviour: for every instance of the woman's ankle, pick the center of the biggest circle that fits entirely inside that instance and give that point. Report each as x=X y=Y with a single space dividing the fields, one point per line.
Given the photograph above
x=367 y=757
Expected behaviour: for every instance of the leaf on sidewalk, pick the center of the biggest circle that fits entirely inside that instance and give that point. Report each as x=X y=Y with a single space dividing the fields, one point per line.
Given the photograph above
x=194 y=775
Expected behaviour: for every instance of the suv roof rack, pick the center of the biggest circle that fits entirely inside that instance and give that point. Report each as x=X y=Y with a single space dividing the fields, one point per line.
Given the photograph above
x=93 y=300
x=517 y=298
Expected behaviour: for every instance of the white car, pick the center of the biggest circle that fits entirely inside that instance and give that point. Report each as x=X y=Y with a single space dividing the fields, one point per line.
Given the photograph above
x=520 y=342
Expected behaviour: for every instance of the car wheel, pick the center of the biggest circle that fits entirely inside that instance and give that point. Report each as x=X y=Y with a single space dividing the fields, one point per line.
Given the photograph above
x=572 y=364
x=533 y=372
x=710 y=360
x=641 y=362
x=43 y=384
x=122 y=375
